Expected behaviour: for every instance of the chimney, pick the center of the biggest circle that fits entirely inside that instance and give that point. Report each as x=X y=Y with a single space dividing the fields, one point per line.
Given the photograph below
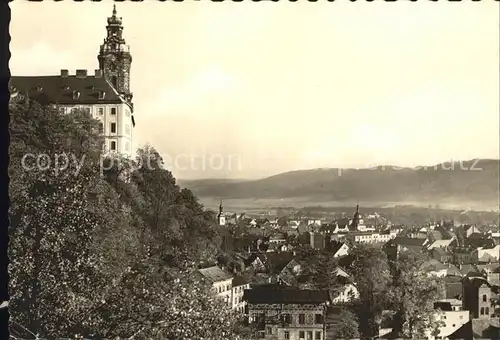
x=98 y=73
x=64 y=73
x=81 y=73
x=76 y=95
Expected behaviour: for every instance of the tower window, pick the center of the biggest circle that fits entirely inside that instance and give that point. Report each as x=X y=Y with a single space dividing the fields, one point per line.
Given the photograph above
x=487 y=311
x=113 y=110
x=113 y=146
x=113 y=127
x=101 y=127
x=484 y=298
x=101 y=111
x=482 y=311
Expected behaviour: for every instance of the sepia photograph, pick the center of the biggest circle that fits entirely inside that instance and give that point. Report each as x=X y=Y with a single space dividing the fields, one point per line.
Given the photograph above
x=249 y=170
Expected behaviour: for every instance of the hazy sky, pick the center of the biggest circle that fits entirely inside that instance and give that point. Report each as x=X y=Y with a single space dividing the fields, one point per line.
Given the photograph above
x=262 y=88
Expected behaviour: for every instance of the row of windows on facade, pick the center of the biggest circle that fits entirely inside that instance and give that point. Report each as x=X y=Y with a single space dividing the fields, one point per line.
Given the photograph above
x=113 y=128
x=287 y=318
x=100 y=110
x=303 y=335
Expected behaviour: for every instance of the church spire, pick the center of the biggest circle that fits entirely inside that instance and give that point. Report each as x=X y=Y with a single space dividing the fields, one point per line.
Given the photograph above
x=220 y=207
x=114 y=56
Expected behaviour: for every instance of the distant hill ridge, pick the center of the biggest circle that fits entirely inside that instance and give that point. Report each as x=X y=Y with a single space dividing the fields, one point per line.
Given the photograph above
x=467 y=180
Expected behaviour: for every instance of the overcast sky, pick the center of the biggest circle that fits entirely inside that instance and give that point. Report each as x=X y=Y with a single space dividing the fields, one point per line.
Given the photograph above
x=262 y=88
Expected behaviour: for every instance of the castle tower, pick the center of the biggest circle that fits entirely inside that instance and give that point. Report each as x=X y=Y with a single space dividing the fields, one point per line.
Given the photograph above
x=221 y=218
x=115 y=58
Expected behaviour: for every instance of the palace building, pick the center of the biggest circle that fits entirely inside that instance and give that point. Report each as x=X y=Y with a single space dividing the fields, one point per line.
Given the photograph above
x=105 y=95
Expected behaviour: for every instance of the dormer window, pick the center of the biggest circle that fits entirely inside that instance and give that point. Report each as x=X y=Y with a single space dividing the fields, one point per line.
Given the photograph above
x=102 y=94
x=66 y=87
x=39 y=88
x=76 y=95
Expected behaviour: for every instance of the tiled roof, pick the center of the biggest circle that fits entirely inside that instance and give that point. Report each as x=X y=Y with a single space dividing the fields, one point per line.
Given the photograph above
x=59 y=90
x=271 y=295
x=215 y=274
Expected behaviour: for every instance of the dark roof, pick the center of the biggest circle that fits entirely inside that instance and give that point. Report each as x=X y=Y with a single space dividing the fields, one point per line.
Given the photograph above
x=239 y=281
x=273 y=294
x=335 y=246
x=409 y=242
x=441 y=251
x=453 y=287
x=59 y=90
x=478 y=329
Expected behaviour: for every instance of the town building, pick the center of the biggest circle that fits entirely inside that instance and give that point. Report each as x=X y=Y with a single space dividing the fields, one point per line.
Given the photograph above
x=105 y=95
x=222 y=282
x=487 y=254
x=317 y=240
x=400 y=245
x=281 y=312
x=476 y=297
x=239 y=286
x=451 y=314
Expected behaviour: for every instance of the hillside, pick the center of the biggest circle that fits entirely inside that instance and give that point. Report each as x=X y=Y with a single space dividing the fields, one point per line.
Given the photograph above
x=469 y=181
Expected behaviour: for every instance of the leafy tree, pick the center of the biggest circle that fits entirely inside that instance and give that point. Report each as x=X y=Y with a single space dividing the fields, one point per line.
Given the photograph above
x=372 y=275
x=345 y=325
x=54 y=216
x=99 y=260
x=413 y=294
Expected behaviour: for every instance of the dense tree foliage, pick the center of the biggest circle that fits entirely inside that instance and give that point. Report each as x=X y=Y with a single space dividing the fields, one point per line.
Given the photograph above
x=104 y=248
x=413 y=294
x=372 y=275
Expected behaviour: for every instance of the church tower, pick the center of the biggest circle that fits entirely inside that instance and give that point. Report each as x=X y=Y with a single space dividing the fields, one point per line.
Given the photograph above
x=115 y=58
x=221 y=218
x=355 y=220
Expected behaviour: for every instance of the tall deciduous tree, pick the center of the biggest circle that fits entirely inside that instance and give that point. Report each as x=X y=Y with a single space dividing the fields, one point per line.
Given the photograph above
x=372 y=275
x=54 y=216
x=413 y=293
x=89 y=260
